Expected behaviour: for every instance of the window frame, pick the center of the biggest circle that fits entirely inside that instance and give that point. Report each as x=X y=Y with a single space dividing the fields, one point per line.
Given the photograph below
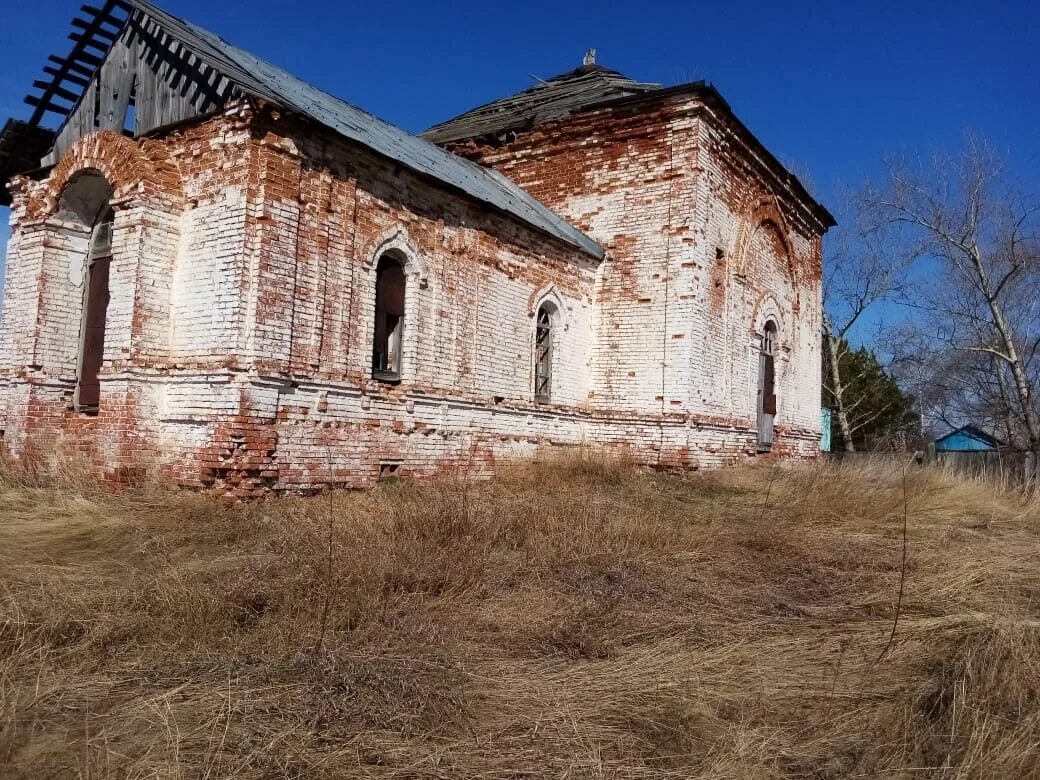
x=544 y=335
x=767 y=403
x=99 y=251
x=770 y=332
x=387 y=365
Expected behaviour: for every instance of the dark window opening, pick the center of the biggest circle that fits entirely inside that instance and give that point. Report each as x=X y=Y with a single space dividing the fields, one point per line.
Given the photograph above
x=95 y=311
x=543 y=348
x=389 y=324
x=767 y=387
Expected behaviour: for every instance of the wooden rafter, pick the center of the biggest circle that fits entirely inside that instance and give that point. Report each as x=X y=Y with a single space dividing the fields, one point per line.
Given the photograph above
x=82 y=24
x=72 y=74
x=71 y=67
x=68 y=77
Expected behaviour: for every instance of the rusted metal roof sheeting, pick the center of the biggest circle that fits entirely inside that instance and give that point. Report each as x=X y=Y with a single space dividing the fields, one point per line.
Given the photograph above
x=552 y=99
x=263 y=80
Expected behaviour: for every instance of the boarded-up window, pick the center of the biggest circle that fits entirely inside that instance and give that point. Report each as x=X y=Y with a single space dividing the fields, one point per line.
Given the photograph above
x=389 y=323
x=95 y=311
x=543 y=349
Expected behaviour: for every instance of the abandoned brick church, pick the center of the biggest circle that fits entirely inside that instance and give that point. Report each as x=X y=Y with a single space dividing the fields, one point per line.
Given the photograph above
x=220 y=271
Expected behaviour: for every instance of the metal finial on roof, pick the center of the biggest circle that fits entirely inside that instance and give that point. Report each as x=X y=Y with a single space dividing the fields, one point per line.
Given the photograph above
x=589 y=58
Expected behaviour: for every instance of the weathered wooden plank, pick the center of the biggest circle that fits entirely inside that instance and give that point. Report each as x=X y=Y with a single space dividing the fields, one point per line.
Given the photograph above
x=85 y=111
x=177 y=82
x=93 y=36
x=145 y=113
x=162 y=92
x=76 y=125
x=167 y=82
x=81 y=119
x=116 y=83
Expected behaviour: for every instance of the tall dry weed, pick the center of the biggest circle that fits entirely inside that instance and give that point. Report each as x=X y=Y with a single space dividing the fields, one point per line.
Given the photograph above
x=573 y=617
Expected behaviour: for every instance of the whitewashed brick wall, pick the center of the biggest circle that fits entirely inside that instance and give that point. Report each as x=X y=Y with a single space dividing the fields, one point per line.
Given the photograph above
x=239 y=333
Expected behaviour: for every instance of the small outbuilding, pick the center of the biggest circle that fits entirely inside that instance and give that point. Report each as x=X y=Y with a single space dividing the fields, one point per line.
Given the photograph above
x=968 y=438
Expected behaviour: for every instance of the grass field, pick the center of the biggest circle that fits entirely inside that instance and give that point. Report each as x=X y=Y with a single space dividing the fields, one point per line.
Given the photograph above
x=574 y=618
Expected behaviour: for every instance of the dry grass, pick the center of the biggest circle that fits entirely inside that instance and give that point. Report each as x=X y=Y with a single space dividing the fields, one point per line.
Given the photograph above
x=576 y=618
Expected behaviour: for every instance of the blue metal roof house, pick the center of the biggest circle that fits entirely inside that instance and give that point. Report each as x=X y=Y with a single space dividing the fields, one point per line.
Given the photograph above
x=968 y=438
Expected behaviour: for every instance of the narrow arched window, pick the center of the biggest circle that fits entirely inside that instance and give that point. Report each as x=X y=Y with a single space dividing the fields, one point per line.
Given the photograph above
x=95 y=312
x=766 y=387
x=389 y=324
x=543 y=353
x=769 y=338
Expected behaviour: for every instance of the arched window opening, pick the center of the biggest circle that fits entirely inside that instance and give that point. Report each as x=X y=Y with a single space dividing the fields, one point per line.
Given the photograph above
x=95 y=311
x=389 y=324
x=767 y=386
x=769 y=338
x=85 y=218
x=543 y=353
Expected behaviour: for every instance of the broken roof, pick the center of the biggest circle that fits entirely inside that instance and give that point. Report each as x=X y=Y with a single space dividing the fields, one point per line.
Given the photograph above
x=592 y=87
x=258 y=79
x=554 y=98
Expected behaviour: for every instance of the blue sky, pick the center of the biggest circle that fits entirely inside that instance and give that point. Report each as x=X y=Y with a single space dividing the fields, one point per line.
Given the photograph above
x=829 y=88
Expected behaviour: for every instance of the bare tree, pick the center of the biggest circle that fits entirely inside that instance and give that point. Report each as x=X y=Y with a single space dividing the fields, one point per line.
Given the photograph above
x=859 y=275
x=973 y=337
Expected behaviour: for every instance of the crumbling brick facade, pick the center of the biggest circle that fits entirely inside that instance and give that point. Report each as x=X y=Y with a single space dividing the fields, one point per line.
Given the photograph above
x=704 y=245
x=240 y=332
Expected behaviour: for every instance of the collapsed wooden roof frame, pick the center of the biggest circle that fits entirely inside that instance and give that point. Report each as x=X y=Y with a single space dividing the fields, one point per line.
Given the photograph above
x=246 y=74
x=24 y=142
x=97 y=31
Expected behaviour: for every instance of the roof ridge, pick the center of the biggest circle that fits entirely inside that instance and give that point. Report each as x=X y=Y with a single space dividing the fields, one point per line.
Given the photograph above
x=292 y=93
x=541 y=85
x=550 y=99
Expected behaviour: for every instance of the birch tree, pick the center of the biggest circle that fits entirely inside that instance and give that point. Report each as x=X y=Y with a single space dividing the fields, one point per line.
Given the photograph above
x=860 y=274
x=974 y=332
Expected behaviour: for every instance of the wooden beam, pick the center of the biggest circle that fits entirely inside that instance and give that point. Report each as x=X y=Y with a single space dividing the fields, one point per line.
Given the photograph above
x=47 y=106
x=75 y=67
x=64 y=94
x=103 y=17
x=82 y=56
x=93 y=36
x=86 y=39
x=79 y=81
x=95 y=29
